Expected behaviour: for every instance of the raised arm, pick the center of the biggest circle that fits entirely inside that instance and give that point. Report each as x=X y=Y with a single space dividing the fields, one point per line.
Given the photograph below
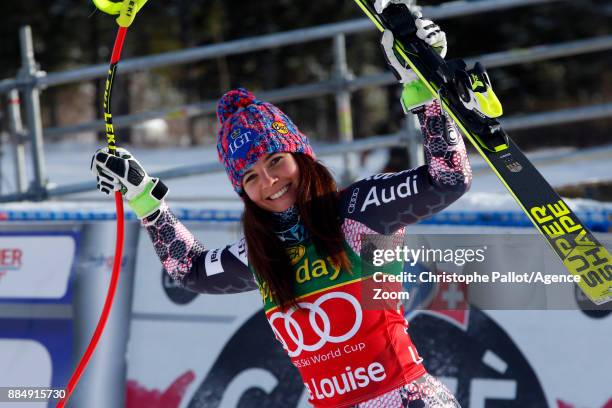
x=384 y=203
x=218 y=271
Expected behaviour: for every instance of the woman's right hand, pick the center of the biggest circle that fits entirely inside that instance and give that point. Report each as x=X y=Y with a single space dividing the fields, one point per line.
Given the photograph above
x=124 y=173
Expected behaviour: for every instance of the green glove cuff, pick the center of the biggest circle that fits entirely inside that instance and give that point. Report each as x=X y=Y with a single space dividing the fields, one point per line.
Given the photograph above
x=150 y=199
x=415 y=94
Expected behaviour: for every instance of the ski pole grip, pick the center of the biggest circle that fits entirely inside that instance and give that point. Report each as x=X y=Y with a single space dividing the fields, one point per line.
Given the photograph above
x=126 y=9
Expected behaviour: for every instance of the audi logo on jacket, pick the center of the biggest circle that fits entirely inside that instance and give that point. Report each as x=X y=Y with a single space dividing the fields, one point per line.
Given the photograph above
x=347 y=348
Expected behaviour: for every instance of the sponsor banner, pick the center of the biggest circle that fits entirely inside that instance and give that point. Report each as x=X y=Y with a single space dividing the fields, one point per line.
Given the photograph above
x=36 y=265
x=208 y=364
x=511 y=357
x=167 y=359
x=565 y=350
x=25 y=362
x=35 y=352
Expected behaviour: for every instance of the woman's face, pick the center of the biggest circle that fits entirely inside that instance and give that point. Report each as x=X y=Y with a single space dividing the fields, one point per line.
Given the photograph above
x=272 y=182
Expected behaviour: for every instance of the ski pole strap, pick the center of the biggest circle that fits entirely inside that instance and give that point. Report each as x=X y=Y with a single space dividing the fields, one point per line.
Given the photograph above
x=126 y=9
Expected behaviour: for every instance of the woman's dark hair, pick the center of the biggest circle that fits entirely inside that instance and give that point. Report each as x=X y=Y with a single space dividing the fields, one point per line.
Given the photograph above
x=317 y=205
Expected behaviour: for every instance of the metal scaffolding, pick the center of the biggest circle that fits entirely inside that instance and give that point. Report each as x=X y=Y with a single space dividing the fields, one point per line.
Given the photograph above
x=31 y=80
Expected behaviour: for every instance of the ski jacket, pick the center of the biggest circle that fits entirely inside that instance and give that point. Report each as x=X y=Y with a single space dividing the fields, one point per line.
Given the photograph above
x=346 y=353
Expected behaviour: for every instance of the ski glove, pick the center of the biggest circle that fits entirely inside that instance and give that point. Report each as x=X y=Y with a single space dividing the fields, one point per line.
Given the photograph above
x=414 y=93
x=125 y=174
x=427 y=30
x=431 y=33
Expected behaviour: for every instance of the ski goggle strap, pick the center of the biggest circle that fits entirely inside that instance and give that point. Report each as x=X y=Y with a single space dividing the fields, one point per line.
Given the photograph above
x=126 y=9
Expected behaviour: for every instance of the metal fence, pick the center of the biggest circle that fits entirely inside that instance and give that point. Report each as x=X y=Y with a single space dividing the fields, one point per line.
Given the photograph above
x=30 y=81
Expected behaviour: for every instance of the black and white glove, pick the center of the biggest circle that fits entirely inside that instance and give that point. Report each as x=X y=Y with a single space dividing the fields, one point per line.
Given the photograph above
x=431 y=33
x=414 y=93
x=124 y=173
x=427 y=30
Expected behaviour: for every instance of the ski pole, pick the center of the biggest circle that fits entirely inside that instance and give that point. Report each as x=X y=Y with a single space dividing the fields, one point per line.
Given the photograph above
x=126 y=10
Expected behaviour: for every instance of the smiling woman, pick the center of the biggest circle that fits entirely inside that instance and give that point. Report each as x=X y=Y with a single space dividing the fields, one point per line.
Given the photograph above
x=272 y=182
x=302 y=246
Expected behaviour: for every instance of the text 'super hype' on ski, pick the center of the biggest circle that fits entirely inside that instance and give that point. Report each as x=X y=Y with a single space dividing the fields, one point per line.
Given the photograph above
x=467 y=96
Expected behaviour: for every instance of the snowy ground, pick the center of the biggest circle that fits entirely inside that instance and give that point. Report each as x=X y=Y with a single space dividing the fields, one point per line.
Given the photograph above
x=68 y=163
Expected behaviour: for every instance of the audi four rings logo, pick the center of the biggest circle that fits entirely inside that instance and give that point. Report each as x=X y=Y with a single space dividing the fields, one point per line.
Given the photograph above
x=294 y=331
x=353 y=202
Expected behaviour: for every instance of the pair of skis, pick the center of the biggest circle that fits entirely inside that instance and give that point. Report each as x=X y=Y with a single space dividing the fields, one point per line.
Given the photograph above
x=467 y=96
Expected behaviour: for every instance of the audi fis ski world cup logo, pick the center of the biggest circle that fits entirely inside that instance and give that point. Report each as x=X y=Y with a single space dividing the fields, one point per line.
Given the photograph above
x=280 y=127
x=313 y=326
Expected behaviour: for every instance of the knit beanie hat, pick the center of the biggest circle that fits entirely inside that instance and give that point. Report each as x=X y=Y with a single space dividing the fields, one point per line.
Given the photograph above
x=250 y=129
